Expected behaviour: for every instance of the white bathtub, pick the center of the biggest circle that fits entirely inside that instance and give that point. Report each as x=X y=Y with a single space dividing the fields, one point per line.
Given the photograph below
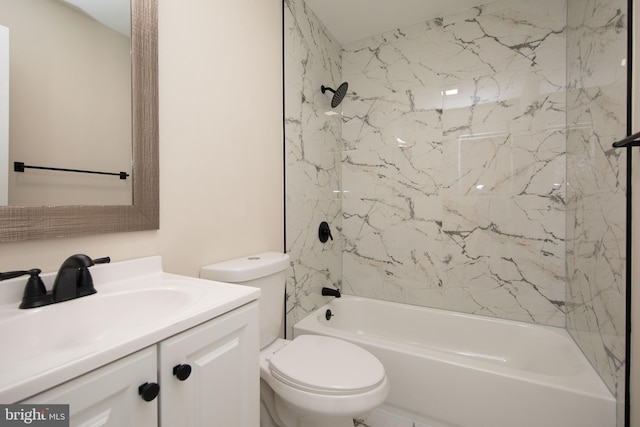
x=449 y=369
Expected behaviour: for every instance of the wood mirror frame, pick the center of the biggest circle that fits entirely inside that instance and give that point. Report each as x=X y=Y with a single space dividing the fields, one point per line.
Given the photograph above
x=19 y=223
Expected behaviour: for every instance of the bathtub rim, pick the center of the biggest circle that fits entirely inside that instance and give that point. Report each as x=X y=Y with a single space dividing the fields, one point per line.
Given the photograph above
x=587 y=382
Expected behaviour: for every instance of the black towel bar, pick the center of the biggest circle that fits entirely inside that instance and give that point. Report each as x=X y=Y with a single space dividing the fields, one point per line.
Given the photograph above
x=20 y=167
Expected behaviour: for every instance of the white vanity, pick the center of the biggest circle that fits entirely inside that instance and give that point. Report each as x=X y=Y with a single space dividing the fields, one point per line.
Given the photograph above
x=104 y=354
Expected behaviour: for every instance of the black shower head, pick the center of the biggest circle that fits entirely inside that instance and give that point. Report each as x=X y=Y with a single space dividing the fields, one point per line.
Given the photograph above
x=338 y=94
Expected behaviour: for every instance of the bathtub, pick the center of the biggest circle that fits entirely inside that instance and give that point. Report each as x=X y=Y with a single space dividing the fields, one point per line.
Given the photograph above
x=449 y=369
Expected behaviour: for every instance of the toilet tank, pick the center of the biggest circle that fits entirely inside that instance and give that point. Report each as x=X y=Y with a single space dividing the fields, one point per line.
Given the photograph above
x=267 y=271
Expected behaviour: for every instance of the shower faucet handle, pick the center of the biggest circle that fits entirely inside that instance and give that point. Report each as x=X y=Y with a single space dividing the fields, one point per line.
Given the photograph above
x=324 y=232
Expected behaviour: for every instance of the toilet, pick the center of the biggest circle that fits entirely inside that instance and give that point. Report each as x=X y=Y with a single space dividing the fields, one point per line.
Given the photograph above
x=312 y=380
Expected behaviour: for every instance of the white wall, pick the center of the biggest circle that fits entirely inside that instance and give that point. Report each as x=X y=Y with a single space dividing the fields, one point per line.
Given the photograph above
x=221 y=189
x=4 y=115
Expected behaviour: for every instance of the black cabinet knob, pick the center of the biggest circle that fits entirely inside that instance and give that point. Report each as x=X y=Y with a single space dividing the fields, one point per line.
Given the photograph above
x=149 y=391
x=182 y=372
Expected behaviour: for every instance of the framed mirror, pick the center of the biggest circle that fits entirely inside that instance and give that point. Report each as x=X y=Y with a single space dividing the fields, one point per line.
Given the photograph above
x=19 y=223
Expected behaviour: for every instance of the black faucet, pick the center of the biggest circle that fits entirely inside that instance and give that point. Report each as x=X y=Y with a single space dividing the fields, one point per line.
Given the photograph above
x=328 y=292
x=73 y=279
x=68 y=278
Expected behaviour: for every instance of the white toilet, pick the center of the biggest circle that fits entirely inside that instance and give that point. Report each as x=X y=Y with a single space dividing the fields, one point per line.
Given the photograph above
x=311 y=381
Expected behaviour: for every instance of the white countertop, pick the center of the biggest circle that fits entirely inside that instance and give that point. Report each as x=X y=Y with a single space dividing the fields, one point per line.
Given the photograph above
x=137 y=305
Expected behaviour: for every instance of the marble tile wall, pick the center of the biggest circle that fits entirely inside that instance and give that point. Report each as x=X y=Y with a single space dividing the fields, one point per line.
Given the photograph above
x=596 y=177
x=312 y=159
x=453 y=166
x=469 y=167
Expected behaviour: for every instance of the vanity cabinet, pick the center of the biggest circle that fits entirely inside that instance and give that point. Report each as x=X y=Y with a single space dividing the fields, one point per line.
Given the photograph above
x=109 y=395
x=220 y=387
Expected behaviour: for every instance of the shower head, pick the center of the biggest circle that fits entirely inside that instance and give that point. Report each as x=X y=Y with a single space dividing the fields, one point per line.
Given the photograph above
x=338 y=94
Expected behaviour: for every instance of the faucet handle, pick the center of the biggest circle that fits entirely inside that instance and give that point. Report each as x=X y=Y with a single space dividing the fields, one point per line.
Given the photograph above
x=13 y=274
x=35 y=293
x=104 y=260
x=85 y=281
x=324 y=232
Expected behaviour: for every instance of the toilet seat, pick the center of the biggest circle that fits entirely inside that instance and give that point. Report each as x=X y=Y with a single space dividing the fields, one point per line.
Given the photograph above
x=326 y=366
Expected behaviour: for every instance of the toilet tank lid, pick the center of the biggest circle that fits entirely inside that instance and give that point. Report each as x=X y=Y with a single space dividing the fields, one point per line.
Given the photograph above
x=246 y=268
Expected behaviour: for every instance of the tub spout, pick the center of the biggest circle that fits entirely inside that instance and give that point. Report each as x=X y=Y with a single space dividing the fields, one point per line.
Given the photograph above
x=331 y=292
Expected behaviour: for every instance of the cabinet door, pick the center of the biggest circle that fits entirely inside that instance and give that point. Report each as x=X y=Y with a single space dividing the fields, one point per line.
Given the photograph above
x=109 y=395
x=223 y=387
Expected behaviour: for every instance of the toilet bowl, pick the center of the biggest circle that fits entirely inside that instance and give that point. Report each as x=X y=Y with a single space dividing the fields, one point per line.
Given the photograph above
x=322 y=381
x=312 y=380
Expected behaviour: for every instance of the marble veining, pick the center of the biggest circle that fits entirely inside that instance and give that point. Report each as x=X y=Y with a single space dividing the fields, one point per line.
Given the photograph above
x=469 y=168
x=596 y=176
x=312 y=159
x=453 y=169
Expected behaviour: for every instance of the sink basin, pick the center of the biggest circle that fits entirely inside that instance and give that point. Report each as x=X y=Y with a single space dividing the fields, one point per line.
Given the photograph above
x=86 y=320
x=136 y=306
